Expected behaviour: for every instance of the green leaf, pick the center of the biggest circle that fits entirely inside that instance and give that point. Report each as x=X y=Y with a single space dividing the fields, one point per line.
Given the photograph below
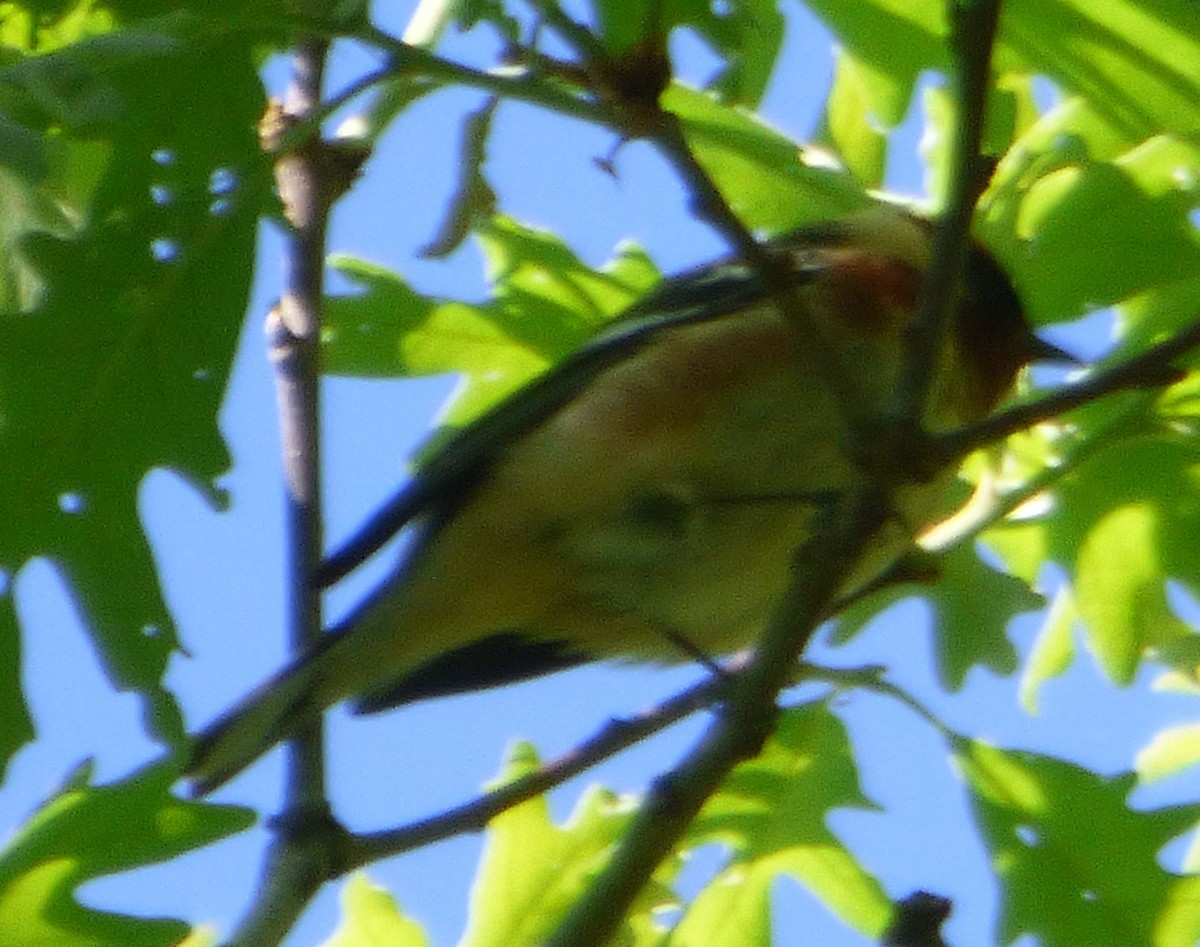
x=848 y=126
x=1078 y=866
x=388 y=330
x=532 y=870
x=1053 y=648
x=763 y=175
x=1137 y=60
x=622 y=24
x=119 y=366
x=1120 y=517
x=203 y=936
x=473 y=197
x=896 y=40
x=771 y=815
x=1146 y=319
x=371 y=918
x=1171 y=750
x=746 y=36
x=972 y=605
x=89 y=832
x=1119 y=584
x=1123 y=524
x=21 y=150
x=67 y=90
x=545 y=303
x=35 y=26
x=1072 y=174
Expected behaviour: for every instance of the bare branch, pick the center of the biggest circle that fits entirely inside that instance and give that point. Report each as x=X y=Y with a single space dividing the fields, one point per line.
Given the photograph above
x=297 y=862
x=618 y=735
x=973 y=32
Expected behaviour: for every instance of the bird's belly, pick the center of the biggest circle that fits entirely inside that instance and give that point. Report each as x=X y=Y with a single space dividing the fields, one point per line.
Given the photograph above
x=712 y=577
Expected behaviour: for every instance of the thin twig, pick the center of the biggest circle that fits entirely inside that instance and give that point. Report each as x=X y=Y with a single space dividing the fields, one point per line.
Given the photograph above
x=615 y=737
x=977 y=517
x=310 y=125
x=1152 y=368
x=973 y=33
x=297 y=861
x=586 y=43
x=618 y=735
x=411 y=61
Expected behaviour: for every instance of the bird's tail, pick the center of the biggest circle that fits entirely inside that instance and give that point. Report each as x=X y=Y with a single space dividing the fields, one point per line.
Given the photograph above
x=273 y=712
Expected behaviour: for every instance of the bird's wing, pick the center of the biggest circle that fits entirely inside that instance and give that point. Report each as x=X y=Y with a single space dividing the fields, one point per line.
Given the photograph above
x=447 y=476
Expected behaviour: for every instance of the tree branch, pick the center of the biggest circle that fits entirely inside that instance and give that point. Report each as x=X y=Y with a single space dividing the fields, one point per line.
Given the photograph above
x=297 y=863
x=473 y=816
x=972 y=35
x=413 y=62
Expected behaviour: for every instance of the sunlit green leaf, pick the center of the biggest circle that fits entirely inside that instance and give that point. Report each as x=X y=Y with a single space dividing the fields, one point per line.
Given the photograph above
x=850 y=128
x=767 y=179
x=371 y=918
x=91 y=831
x=1171 y=750
x=545 y=303
x=895 y=40
x=771 y=814
x=1123 y=525
x=972 y=606
x=1077 y=865
x=1082 y=220
x=1053 y=649
x=1137 y=60
x=533 y=870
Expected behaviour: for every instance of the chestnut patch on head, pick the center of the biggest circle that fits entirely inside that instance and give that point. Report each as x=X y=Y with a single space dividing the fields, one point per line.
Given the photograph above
x=872 y=292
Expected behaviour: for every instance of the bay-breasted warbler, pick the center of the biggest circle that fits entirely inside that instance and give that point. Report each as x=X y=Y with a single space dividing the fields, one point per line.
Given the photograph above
x=642 y=500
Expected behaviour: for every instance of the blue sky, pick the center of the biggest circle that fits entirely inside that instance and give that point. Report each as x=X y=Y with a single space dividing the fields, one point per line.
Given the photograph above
x=223 y=575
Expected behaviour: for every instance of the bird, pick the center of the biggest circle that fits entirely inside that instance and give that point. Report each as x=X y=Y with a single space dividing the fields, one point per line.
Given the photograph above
x=641 y=501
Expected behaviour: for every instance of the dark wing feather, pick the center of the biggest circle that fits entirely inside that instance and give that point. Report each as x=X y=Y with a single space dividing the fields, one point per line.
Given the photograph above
x=504 y=658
